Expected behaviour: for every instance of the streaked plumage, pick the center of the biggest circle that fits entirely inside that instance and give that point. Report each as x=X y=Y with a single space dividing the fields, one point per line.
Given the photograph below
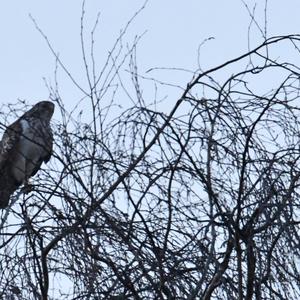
x=24 y=146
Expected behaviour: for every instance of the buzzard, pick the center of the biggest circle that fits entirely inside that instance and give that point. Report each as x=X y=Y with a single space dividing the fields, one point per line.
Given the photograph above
x=25 y=144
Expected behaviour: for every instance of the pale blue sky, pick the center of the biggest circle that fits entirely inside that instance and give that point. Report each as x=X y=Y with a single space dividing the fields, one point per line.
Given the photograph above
x=175 y=28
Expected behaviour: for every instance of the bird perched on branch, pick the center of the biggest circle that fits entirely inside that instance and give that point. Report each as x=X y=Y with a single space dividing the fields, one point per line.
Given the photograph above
x=25 y=144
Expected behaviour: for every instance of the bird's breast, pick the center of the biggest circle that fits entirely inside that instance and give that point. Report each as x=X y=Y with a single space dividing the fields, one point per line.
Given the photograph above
x=31 y=140
x=29 y=149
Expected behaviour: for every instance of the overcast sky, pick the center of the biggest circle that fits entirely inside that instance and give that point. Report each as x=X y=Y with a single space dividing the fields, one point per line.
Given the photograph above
x=174 y=30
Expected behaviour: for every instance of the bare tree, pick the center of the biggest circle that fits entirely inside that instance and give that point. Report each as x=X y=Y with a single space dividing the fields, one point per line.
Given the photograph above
x=199 y=203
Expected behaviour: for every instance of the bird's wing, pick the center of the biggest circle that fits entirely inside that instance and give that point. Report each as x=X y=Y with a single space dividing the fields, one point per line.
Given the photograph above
x=8 y=146
x=9 y=142
x=48 y=146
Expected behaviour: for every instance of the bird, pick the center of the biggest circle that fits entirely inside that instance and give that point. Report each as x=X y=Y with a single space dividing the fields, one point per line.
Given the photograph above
x=25 y=145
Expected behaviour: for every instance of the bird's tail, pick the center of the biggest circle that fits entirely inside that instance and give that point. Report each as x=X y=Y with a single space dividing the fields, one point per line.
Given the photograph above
x=7 y=188
x=4 y=199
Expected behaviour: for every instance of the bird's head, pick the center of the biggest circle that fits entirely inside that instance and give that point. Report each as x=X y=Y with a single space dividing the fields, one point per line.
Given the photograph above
x=42 y=110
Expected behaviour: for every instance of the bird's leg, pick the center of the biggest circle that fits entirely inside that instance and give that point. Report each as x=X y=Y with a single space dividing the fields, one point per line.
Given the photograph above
x=27 y=187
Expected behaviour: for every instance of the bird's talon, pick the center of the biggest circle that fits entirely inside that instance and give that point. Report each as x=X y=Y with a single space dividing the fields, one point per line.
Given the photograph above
x=27 y=188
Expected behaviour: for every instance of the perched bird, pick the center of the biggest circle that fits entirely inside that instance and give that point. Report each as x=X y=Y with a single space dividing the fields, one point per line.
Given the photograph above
x=25 y=144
